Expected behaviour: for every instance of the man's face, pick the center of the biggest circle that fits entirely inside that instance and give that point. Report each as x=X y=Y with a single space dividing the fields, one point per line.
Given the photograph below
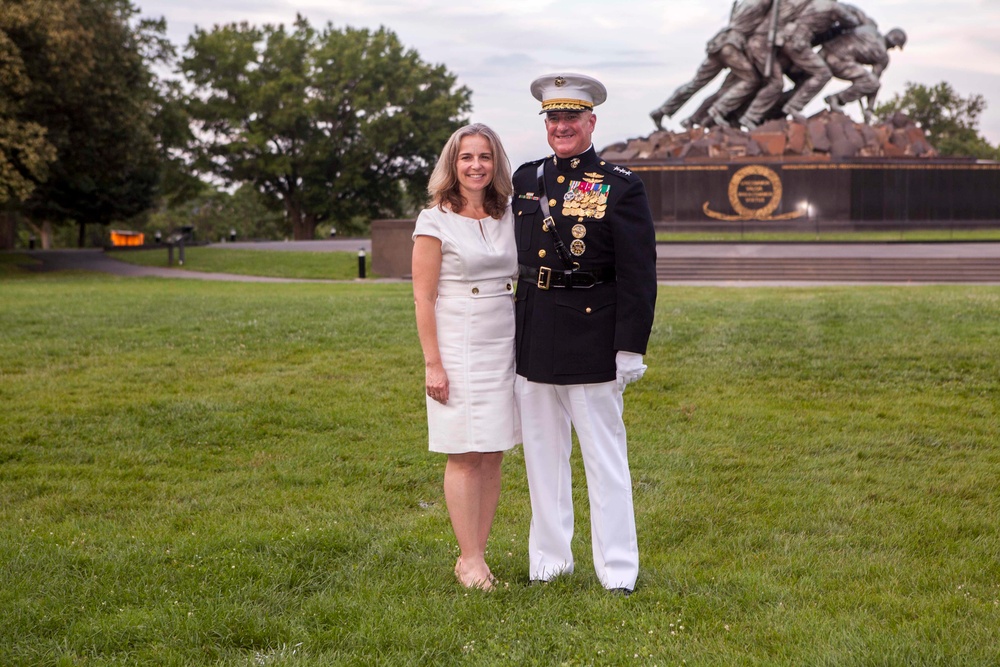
x=570 y=132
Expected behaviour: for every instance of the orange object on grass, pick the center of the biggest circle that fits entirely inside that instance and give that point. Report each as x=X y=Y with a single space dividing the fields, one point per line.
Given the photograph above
x=122 y=237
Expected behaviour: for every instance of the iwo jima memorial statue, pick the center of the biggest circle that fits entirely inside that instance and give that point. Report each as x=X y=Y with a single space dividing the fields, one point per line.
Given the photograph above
x=748 y=153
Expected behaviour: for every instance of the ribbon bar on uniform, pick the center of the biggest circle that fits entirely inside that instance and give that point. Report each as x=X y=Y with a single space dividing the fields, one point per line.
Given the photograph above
x=544 y=277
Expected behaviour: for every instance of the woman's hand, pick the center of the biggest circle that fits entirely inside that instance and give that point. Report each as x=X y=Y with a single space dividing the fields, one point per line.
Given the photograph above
x=437 y=382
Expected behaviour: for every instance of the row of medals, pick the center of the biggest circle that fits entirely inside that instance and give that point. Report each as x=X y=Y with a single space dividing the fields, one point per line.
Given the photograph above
x=584 y=200
x=588 y=200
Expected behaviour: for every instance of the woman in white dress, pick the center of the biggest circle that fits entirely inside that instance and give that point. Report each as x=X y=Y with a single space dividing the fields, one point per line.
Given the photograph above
x=464 y=260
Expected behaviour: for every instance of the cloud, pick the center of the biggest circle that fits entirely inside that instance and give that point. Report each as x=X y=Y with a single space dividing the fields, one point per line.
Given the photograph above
x=641 y=49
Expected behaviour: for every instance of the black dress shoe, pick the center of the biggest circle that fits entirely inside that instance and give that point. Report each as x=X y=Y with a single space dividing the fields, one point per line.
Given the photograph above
x=625 y=592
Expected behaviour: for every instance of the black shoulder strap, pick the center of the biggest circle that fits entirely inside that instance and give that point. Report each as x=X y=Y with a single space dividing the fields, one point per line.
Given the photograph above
x=549 y=224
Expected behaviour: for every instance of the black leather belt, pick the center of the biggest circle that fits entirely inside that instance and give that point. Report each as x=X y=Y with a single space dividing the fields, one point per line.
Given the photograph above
x=544 y=277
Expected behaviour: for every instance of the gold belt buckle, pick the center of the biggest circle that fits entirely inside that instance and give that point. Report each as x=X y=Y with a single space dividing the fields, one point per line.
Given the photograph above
x=544 y=276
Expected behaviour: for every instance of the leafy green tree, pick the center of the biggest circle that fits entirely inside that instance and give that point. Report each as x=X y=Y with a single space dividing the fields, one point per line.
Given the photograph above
x=333 y=124
x=25 y=153
x=949 y=120
x=86 y=81
x=215 y=214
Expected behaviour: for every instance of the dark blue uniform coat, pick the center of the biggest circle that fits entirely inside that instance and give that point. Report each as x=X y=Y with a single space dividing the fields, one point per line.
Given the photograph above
x=571 y=335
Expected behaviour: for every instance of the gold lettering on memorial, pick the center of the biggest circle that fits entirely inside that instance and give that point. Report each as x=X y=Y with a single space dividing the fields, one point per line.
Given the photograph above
x=755 y=194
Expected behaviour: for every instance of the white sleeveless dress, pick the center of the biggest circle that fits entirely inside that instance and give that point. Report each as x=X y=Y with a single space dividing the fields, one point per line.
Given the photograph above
x=475 y=328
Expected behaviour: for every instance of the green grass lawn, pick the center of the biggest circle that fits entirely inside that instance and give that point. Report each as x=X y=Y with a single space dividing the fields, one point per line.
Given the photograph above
x=218 y=473
x=274 y=264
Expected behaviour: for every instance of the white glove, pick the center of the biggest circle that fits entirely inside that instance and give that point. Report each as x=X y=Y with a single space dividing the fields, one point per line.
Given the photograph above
x=629 y=368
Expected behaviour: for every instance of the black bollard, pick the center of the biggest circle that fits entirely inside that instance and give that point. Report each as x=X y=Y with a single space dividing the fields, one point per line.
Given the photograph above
x=361 y=263
x=232 y=235
x=180 y=252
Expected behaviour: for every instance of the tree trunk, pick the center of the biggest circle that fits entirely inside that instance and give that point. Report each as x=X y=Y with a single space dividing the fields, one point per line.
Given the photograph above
x=304 y=229
x=303 y=224
x=46 y=235
x=8 y=230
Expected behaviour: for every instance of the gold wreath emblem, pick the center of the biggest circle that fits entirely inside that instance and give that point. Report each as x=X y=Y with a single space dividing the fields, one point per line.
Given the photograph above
x=745 y=213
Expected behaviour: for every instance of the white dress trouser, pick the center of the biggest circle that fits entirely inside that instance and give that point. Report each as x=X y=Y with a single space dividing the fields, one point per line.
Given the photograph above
x=548 y=412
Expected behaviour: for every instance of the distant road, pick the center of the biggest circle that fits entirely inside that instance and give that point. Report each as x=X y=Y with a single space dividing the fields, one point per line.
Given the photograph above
x=723 y=264
x=327 y=245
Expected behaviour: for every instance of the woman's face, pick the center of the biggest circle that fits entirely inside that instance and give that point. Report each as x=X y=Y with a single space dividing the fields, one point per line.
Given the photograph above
x=475 y=164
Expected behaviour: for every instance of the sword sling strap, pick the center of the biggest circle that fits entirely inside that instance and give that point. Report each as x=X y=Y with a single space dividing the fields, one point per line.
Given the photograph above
x=549 y=224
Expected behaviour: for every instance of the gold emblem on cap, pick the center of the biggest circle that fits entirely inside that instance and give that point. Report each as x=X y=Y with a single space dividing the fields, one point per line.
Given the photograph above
x=579 y=231
x=577 y=247
x=541 y=253
x=560 y=82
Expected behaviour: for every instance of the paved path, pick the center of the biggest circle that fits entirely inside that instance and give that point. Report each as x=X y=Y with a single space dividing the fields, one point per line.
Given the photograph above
x=331 y=245
x=97 y=260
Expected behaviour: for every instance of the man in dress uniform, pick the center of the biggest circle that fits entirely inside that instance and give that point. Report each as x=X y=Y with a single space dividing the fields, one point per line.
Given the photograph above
x=584 y=310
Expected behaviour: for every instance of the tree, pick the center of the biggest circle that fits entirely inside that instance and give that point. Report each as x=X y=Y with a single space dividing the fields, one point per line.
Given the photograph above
x=215 y=214
x=949 y=120
x=25 y=153
x=86 y=82
x=332 y=124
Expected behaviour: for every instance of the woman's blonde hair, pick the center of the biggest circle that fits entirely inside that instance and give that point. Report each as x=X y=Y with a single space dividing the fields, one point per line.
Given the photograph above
x=443 y=186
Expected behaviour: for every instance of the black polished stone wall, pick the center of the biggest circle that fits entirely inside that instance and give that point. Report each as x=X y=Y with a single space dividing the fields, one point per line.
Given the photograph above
x=861 y=193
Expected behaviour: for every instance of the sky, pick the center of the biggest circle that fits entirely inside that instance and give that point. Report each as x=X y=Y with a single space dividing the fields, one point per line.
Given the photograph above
x=640 y=49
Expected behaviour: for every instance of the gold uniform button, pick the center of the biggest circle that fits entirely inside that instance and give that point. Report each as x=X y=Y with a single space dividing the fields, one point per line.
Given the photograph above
x=541 y=253
x=561 y=179
x=588 y=311
x=552 y=202
x=475 y=290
